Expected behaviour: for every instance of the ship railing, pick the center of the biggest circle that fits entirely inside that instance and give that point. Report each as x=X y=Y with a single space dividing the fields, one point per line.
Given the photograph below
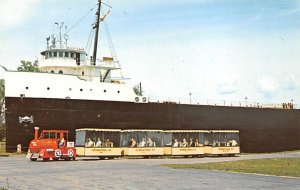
x=214 y=102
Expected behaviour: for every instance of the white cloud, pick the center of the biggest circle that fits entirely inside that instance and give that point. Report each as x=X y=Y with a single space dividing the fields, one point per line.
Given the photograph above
x=13 y=12
x=228 y=84
x=290 y=82
x=268 y=86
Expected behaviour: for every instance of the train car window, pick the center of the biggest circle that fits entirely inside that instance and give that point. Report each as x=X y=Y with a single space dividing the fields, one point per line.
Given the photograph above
x=167 y=139
x=125 y=139
x=232 y=139
x=208 y=139
x=154 y=139
x=80 y=138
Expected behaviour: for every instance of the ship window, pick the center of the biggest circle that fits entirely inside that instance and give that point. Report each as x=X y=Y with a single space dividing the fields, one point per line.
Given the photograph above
x=104 y=90
x=70 y=89
x=66 y=54
x=48 y=88
x=54 y=54
x=60 y=72
x=91 y=90
x=72 y=55
x=82 y=73
x=46 y=55
x=81 y=89
x=52 y=71
x=27 y=87
x=50 y=54
x=61 y=54
x=118 y=91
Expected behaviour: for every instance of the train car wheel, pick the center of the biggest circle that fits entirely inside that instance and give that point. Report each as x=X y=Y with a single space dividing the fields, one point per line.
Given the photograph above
x=33 y=159
x=55 y=159
x=46 y=159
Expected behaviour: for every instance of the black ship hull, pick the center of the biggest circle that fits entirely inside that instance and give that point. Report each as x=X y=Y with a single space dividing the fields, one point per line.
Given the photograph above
x=261 y=129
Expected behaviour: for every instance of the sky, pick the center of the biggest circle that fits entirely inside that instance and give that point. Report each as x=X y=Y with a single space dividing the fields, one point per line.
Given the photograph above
x=203 y=51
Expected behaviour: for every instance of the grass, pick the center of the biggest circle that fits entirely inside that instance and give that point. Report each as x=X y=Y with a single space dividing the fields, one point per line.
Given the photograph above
x=275 y=166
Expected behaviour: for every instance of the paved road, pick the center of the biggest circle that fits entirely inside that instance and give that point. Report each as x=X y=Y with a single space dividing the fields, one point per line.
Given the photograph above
x=19 y=173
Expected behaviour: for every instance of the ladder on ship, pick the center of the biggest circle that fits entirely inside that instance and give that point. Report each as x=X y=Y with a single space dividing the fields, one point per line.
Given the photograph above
x=90 y=40
x=110 y=43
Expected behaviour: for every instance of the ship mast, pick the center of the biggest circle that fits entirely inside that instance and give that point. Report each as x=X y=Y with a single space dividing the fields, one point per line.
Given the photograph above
x=96 y=33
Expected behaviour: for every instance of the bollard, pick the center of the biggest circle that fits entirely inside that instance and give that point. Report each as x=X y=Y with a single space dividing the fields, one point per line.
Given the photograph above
x=19 y=148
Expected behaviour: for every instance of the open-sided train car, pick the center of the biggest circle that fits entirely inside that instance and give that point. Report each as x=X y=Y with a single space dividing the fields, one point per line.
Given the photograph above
x=222 y=142
x=102 y=143
x=184 y=142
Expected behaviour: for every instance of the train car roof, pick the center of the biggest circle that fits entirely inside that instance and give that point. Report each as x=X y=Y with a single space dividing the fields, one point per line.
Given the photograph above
x=142 y=130
x=105 y=130
x=186 y=131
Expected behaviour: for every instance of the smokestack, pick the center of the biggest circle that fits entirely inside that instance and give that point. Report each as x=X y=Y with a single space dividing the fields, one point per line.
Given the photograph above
x=36 y=133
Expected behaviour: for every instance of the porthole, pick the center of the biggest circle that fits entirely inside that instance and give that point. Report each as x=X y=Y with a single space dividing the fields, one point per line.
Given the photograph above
x=119 y=91
x=27 y=87
x=48 y=88
x=81 y=89
x=52 y=71
x=70 y=89
x=60 y=72
x=104 y=90
x=91 y=90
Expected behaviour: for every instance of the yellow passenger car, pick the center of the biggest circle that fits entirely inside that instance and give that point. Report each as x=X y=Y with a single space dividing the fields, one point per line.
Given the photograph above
x=184 y=143
x=102 y=143
x=146 y=143
x=222 y=142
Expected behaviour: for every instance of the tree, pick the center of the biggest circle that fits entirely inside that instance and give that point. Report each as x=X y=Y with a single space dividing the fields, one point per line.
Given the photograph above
x=138 y=89
x=2 y=121
x=1 y=89
x=29 y=66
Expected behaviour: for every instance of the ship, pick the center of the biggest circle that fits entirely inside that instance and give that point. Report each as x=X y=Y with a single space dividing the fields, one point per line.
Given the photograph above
x=73 y=90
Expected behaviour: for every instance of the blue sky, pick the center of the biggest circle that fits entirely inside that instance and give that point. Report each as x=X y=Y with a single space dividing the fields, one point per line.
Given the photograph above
x=214 y=49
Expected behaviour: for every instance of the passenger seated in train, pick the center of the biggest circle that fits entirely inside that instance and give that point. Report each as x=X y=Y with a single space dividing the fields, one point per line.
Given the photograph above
x=176 y=143
x=98 y=143
x=150 y=143
x=184 y=143
x=108 y=143
x=191 y=143
x=61 y=142
x=142 y=143
x=89 y=143
x=133 y=143
x=232 y=143
x=216 y=143
x=197 y=143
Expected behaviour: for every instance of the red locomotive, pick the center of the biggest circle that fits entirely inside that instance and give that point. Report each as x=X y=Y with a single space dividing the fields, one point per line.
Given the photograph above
x=51 y=144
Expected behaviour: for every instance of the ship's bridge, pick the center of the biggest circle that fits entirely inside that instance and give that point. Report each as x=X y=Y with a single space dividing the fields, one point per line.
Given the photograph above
x=64 y=57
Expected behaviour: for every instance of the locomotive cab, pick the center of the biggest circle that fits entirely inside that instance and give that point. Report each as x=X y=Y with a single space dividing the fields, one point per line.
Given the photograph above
x=51 y=144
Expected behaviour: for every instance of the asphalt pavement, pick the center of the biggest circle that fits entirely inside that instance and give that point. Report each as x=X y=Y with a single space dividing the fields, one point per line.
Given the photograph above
x=17 y=172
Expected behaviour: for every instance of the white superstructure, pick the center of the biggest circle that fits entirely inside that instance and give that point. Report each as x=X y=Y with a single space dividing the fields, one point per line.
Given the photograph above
x=70 y=73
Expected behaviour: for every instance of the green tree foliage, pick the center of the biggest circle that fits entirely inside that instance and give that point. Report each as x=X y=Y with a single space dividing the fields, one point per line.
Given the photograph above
x=29 y=66
x=2 y=124
x=138 y=90
x=1 y=89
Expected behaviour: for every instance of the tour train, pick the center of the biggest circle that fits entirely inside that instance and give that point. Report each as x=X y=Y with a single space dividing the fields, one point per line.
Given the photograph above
x=111 y=143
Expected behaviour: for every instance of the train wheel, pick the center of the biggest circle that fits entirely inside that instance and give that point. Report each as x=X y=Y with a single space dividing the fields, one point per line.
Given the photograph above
x=101 y=157
x=46 y=159
x=110 y=157
x=33 y=159
x=55 y=159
